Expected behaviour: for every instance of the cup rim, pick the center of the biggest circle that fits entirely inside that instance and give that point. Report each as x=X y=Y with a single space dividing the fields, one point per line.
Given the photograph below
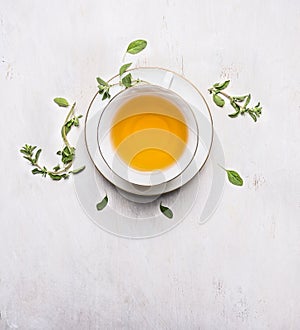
x=147 y=173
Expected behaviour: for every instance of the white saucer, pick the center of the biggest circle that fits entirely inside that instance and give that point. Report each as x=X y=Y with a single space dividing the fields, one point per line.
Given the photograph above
x=189 y=93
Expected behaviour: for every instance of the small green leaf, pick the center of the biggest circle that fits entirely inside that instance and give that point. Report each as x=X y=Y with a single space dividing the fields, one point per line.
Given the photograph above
x=30 y=159
x=55 y=177
x=24 y=152
x=69 y=123
x=106 y=95
x=218 y=100
x=123 y=68
x=251 y=113
x=37 y=155
x=101 y=89
x=233 y=115
x=58 y=152
x=36 y=171
x=56 y=168
x=60 y=101
x=220 y=86
x=136 y=46
x=166 y=211
x=101 y=82
x=67 y=130
x=239 y=98
x=247 y=100
x=66 y=151
x=78 y=170
x=76 y=121
x=235 y=105
x=101 y=205
x=68 y=154
x=234 y=178
x=126 y=81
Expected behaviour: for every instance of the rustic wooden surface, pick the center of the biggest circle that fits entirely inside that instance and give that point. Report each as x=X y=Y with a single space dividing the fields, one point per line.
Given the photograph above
x=238 y=271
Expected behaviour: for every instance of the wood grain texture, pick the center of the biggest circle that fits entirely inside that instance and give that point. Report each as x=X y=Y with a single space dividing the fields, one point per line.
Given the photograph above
x=238 y=271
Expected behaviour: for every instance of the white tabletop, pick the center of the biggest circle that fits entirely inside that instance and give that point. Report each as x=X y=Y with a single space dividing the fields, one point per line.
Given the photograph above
x=241 y=269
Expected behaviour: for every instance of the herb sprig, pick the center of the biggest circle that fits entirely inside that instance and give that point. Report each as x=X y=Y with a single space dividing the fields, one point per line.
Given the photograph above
x=67 y=153
x=239 y=103
x=127 y=80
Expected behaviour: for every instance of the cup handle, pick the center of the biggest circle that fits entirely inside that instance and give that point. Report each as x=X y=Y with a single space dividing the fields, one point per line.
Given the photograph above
x=168 y=80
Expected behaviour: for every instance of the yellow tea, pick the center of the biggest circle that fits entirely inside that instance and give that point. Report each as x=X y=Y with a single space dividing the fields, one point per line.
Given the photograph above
x=149 y=133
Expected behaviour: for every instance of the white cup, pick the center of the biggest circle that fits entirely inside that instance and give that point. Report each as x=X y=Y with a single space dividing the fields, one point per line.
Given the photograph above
x=110 y=154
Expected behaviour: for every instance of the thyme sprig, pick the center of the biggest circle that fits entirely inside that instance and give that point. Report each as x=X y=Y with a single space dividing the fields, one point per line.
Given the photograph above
x=127 y=80
x=239 y=103
x=67 y=153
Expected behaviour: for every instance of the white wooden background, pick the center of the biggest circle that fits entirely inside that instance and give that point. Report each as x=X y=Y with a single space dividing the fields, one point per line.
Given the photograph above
x=241 y=269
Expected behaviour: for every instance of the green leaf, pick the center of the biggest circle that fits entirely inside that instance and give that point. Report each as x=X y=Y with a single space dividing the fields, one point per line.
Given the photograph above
x=247 y=100
x=239 y=98
x=136 y=46
x=123 y=68
x=58 y=152
x=126 y=81
x=251 y=113
x=68 y=154
x=36 y=171
x=37 y=155
x=67 y=130
x=220 y=86
x=101 y=82
x=56 y=168
x=78 y=170
x=106 y=95
x=60 y=101
x=30 y=159
x=101 y=89
x=218 y=100
x=166 y=211
x=235 y=105
x=66 y=151
x=76 y=121
x=24 y=152
x=55 y=177
x=68 y=125
x=234 y=115
x=233 y=177
x=101 y=205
